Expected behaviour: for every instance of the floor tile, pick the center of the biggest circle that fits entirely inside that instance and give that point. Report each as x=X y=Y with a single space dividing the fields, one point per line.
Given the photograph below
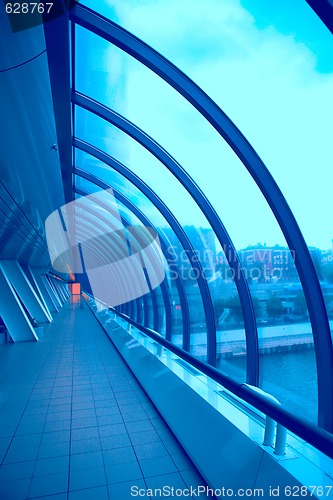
x=112 y=430
x=7 y=431
x=58 y=416
x=137 y=408
x=27 y=440
x=24 y=429
x=86 y=460
x=143 y=425
x=57 y=425
x=14 y=490
x=48 y=485
x=127 y=490
x=87 y=478
x=119 y=473
x=100 y=493
x=15 y=471
x=20 y=454
x=84 y=433
x=119 y=455
x=55 y=437
x=83 y=413
x=85 y=445
x=83 y=405
x=83 y=391
x=134 y=417
x=181 y=461
x=80 y=423
x=170 y=480
x=59 y=496
x=53 y=450
x=144 y=437
x=172 y=446
x=192 y=478
x=150 y=450
x=107 y=410
x=53 y=465
x=59 y=408
x=157 y=466
x=109 y=442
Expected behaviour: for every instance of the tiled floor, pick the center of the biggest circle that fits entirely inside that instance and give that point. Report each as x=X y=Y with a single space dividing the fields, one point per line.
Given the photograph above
x=74 y=422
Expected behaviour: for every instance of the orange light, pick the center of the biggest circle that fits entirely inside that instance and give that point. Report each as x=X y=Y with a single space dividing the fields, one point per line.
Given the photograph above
x=74 y=288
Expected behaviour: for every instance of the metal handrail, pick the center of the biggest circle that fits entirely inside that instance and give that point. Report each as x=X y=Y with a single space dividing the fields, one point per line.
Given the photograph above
x=315 y=436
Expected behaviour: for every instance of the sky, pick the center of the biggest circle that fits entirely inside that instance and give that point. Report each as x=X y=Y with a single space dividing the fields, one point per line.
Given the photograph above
x=269 y=66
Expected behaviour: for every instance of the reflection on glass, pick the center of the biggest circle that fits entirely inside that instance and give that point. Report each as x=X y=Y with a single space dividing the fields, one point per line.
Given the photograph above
x=278 y=131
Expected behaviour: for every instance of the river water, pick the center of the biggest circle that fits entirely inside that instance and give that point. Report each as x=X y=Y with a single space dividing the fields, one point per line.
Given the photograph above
x=289 y=376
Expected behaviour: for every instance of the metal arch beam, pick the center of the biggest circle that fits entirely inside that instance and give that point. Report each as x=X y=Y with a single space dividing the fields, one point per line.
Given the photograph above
x=152 y=292
x=107 y=114
x=145 y=311
x=93 y=252
x=119 y=254
x=164 y=287
x=195 y=263
x=252 y=343
x=133 y=302
x=107 y=222
x=84 y=231
x=261 y=175
x=151 y=195
x=180 y=288
x=324 y=10
x=161 y=207
x=161 y=66
x=138 y=311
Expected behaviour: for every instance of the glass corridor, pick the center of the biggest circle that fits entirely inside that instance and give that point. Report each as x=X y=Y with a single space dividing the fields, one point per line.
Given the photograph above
x=177 y=163
x=194 y=157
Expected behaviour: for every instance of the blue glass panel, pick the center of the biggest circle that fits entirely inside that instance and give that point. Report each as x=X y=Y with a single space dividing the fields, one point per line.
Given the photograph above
x=289 y=145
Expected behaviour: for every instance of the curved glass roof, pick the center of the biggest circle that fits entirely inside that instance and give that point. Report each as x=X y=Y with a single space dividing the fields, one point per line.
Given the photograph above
x=246 y=245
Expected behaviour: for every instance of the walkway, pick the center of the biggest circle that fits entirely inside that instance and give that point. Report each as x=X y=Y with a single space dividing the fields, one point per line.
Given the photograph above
x=74 y=422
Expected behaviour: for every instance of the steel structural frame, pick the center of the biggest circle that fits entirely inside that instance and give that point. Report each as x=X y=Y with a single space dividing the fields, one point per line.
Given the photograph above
x=202 y=282
x=151 y=195
x=145 y=220
x=261 y=175
x=184 y=240
x=165 y=294
x=105 y=28
x=169 y=217
x=310 y=433
x=152 y=291
x=121 y=307
x=163 y=156
x=138 y=311
x=252 y=343
x=179 y=285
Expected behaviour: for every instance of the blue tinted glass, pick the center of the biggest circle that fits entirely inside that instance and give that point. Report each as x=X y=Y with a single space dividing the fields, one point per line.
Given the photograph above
x=266 y=98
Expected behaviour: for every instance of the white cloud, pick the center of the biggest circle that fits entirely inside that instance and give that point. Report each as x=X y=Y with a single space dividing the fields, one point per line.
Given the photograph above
x=268 y=85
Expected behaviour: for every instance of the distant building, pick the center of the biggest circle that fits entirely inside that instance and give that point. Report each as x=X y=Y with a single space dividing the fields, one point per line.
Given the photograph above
x=204 y=244
x=265 y=264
